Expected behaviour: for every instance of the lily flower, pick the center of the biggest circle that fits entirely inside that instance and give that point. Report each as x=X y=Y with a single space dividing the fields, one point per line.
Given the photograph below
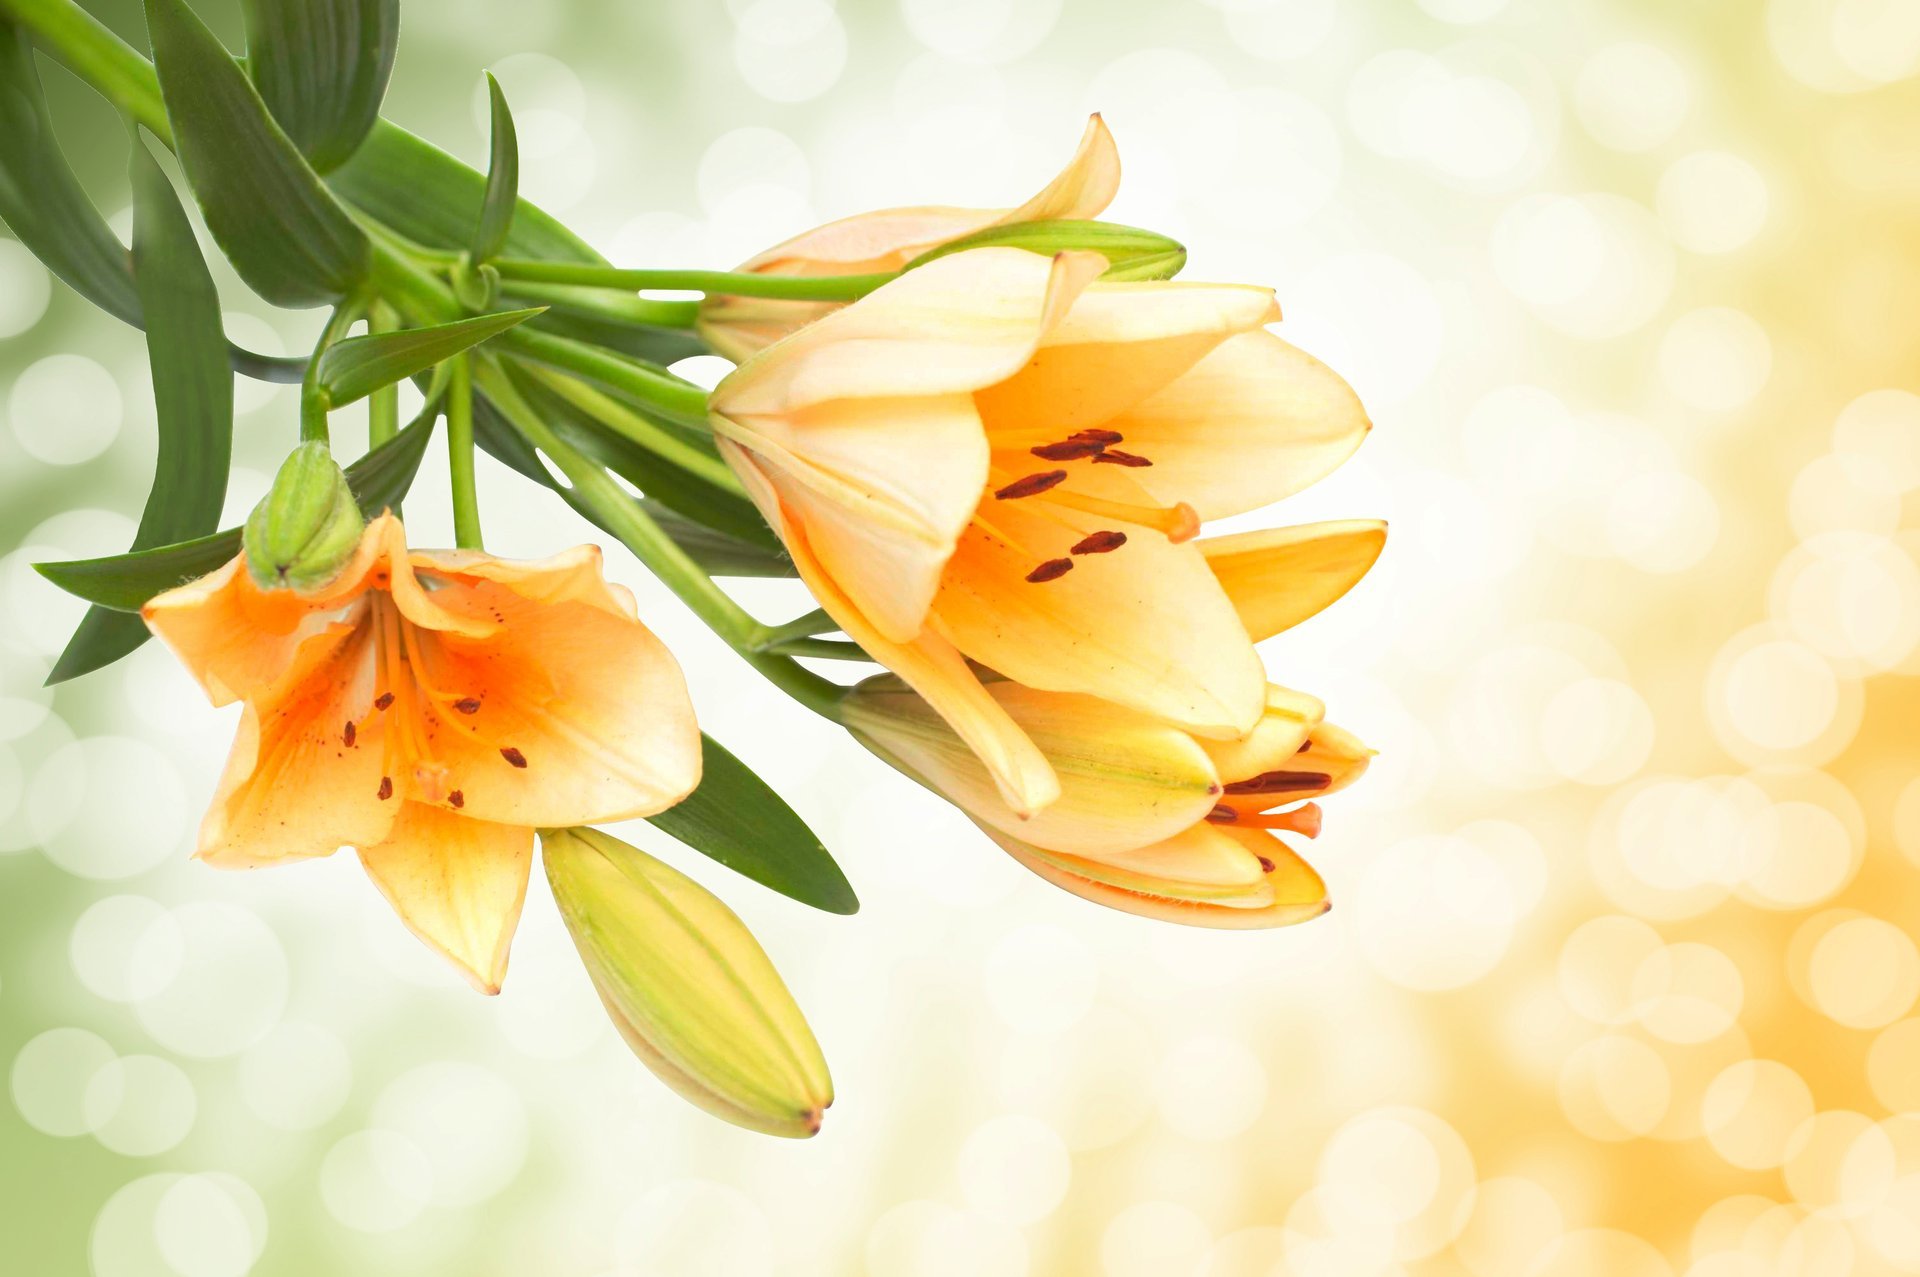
x=431 y=709
x=886 y=240
x=996 y=461
x=1150 y=819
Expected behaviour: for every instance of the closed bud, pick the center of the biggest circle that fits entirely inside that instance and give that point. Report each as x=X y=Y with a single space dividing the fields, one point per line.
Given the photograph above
x=1131 y=253
x=307 y=526
x=689 y=988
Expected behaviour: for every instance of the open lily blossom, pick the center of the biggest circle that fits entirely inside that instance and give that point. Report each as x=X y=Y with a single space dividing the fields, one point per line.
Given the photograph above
x=995 y=460
x=1150 y=819
x=888 y=239
x=432 y=709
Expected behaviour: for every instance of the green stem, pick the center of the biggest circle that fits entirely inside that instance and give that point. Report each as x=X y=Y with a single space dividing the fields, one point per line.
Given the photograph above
x=595 y=491
x=812 y=623
x=622 y=420
x=610 y=304
x=314 y=401
x=819 y=288
x=466 y=498
x=78 y=41
x=679 y=400
x=383 y=406
x=825 y=649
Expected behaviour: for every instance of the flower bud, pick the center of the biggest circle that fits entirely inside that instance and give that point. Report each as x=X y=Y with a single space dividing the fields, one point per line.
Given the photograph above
x=687 y=985
x=1131 y=253
x=306 y=527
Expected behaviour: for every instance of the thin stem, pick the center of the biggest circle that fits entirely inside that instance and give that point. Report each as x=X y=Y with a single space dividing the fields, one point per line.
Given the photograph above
x=622 y=420
x=466 y=498
x=655 y=387
x=383 y=406
x=820 y=288
x=812 y=623
x=78 y=41
x=825 y=649
x=315 y=404
x=594 y=491
x=622 y=307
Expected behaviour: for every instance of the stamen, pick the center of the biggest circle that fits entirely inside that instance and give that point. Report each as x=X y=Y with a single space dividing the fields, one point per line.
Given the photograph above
x=383 y=700
x=1280 y=782
x=1032 y=485
x=514 y=756
x=1107 y=437
x=1267 y=866
x=1100 y=543
x=1115 y=457
x=386 y=788
x=467 y=705
x=456 y=800
x=1305 y=745
x=1051 y=570
x=1222 y=815
x=347 y=735
x=1071 y=450
x=1179 y=522
x=1304 y=820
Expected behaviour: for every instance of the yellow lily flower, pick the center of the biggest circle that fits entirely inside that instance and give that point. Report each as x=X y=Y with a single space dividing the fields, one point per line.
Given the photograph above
x=432 y=709
x=1150 y=819
x=886 y=240
x=994 y=459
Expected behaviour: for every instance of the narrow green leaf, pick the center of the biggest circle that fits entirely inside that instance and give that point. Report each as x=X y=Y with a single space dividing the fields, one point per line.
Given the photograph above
x=192 y=397
x=321 y=66
x=651 y=342
x=737 y=819
x=284 y=233
x=434 y=200
x=126 y=581
x=503 y=180
x=359 y=366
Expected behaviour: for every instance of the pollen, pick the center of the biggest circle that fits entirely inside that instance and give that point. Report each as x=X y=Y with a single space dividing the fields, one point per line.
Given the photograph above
x=383 y=700
x=1100 y=543
x=348 y=734
x=514 y=756
x=1280 y=782
x=1032 y=485
x=1051 y=570
x=456 y=800
x=1115 y=457
x=1070 y=450
x=386 y=788
x=1102 y=437
x=467 y=705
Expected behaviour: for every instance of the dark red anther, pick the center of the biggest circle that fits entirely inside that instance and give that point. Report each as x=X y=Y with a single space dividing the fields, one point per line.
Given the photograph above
x=347 y=735
x=1280 y=783
x=1032 y=485
x=1051 y=570
x=1071 y=450
x=467 y=705
x=1222 y=814
x=456 y=800
x=1305 y=745
x=1267 y=866
x=1105 y=437
x=383 y=700
x=1115 y=457
x=514 y=756
x=386 y=788
x=1100 y=543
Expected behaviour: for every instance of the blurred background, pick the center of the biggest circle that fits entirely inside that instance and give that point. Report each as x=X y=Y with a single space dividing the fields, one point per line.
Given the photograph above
x=1620 y=979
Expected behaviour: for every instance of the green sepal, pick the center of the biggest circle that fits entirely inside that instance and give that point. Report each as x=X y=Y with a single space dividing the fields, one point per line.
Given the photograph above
x=306 y=527
x=736 y=818
x=321 y=67
x=358 y=366
x=503 y=181
x=285 y=234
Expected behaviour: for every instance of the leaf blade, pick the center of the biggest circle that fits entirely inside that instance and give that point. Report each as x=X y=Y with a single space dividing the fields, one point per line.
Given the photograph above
x=737 y=819
x=503 y=180
x=281 y=228
x=321 y=67
x=359 y=366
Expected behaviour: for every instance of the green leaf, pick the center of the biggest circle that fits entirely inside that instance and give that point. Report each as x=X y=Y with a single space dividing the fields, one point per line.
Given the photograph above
x=192 y=397
x=434 y=200
x=321 y=66
x=503 y=181
x=737 y=819
x=650 y=342
x=716 y=552
x=359 y=366
x=126 y=581
x=284 y=233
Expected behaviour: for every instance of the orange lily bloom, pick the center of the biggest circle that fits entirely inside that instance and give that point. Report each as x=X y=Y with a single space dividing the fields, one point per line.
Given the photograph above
x=995 y=460
x=1150 y=819
x=886 y=240
x=432 y=709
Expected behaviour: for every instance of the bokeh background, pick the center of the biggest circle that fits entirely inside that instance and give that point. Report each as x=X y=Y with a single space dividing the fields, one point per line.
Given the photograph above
x=1621 y=975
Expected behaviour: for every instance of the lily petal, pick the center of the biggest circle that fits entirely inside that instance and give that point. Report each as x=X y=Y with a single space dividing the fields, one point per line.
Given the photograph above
x=1283 y=728
x=1126 y=780
x=1256 y=420
x=1278 y=577
x=457 y=883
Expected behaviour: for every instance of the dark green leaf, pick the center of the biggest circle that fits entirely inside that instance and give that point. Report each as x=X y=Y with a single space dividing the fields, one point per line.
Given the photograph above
x=736 y=818
x=359 y=366
x=434 y=200
x=321 y=66
x=278 y=225
x=503 y=181
x=716 y=552
x=192 y=398
x=126 y=581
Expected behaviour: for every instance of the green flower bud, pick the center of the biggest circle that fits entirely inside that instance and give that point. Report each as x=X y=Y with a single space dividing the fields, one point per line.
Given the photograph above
x=307 y=526
x=689 y=988
x=1131 y=253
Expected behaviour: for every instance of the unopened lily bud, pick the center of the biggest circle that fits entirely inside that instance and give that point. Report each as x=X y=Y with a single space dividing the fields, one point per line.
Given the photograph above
x=1131 y=253
x=689 y=988
x=307 y=526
